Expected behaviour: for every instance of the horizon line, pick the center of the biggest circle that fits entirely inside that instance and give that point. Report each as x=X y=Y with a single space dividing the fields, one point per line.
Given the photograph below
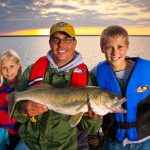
x=76 y=35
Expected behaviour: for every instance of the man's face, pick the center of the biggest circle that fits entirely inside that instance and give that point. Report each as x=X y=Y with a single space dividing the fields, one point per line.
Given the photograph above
x=62 y=48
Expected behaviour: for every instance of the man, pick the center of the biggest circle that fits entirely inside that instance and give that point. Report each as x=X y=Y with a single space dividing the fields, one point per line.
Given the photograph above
x=61 y=67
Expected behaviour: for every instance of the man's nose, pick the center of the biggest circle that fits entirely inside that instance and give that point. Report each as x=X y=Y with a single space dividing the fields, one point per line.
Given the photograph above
x=61 y=42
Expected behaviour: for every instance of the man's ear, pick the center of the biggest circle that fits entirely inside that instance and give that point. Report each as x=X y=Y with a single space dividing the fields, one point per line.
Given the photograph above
x=75 y=43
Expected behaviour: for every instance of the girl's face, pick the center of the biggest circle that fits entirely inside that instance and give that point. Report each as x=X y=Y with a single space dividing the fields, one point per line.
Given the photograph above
x=115 y=52
x=10 y=69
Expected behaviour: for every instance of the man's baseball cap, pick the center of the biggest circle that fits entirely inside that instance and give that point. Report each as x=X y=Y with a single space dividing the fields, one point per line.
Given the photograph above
x=64 y=27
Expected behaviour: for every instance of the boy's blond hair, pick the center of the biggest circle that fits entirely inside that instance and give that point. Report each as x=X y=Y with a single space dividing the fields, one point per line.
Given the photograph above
x=113 y=31
x=10 y=54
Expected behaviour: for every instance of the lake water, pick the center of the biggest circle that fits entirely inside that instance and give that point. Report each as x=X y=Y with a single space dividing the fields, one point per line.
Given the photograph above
x=31 y=48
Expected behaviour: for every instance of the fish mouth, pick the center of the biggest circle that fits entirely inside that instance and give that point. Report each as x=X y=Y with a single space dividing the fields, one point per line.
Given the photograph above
x=116 y=108
x=118 y=103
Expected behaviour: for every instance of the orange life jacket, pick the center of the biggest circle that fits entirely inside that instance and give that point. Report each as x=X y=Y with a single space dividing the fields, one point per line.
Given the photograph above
x=6 y=121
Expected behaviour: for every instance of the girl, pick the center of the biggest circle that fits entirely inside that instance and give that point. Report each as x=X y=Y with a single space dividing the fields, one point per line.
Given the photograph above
x=10 y=73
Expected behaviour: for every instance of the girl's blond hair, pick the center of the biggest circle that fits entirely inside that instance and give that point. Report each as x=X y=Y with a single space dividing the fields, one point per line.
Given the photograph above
x=10 y=54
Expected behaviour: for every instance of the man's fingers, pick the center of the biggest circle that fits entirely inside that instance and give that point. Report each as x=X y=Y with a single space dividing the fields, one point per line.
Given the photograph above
x=32 y=109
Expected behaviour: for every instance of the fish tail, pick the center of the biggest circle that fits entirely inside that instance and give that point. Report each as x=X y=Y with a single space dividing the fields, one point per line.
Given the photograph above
x=11 y=102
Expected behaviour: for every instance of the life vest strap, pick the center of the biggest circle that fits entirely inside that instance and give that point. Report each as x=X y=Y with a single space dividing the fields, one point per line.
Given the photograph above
x=124 y=125
x=8 y=126
x=4 y=108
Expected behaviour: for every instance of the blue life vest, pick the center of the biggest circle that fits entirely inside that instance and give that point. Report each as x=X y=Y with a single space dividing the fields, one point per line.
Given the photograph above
x=140 y=76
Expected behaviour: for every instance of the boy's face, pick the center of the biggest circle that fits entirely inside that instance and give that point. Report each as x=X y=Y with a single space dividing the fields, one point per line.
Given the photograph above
x=115 y=52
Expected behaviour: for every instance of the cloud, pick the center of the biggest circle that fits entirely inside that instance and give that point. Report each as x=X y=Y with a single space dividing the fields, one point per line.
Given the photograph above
x=29 y=14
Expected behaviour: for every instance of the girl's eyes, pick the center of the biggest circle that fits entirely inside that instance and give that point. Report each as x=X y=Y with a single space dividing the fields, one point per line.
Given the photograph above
x=4 y=67
x=7 y=67
x=12 y=66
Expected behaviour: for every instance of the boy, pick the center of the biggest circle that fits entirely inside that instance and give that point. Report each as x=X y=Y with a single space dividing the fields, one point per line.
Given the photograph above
x=127 y=77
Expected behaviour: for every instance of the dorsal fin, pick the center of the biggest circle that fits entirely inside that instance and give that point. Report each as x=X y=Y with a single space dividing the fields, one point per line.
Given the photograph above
x=42 y=85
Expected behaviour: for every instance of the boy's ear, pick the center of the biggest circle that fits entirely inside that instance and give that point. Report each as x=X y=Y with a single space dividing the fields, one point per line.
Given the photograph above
x=102 y=50
x=127 y=47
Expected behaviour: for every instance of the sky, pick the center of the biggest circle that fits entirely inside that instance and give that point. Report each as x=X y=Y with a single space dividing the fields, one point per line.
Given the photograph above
x=89 y=17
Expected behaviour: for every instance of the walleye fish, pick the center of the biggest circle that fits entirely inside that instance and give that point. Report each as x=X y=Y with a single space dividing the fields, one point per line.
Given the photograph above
x=70 y=101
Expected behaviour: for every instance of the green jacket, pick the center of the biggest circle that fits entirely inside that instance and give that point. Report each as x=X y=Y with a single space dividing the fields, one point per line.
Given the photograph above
x=52 y=130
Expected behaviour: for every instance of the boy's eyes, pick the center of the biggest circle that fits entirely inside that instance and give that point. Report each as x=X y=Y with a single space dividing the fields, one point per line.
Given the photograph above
x=111 y=47
x=108 y=47
x=120 y=46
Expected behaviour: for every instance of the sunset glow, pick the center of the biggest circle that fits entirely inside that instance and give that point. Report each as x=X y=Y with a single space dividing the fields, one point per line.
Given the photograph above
x=81 y=31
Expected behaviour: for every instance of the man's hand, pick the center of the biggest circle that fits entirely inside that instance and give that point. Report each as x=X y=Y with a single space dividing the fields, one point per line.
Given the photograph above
x=31 y=108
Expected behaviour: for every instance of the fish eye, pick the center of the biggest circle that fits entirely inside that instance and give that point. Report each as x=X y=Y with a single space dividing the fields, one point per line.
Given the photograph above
x=114 y=97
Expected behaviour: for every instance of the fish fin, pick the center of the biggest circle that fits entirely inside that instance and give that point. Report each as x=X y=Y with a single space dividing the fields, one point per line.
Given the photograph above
x=42 y=85
x=92 y=86
x=11 y=102
x=82 y=106
x=83 y=87
x=75 y=119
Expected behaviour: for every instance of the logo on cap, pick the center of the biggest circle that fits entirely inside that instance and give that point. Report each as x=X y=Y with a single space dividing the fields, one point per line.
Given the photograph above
x=64 y=27
x=61 y=24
